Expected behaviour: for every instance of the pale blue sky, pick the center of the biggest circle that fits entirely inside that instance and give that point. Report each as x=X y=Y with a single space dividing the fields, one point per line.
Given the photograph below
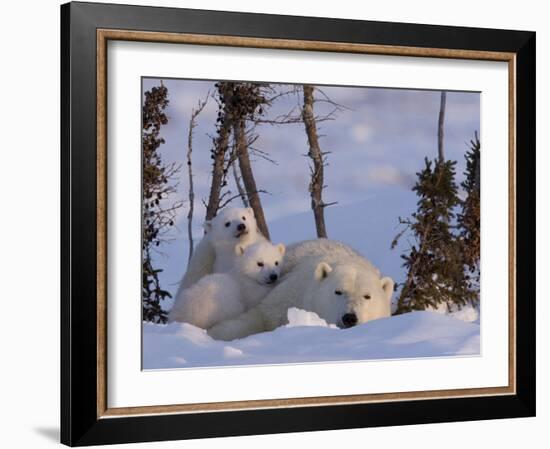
x=377 y=146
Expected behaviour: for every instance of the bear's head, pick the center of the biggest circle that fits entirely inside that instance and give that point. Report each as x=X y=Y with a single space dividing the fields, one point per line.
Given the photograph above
x=261 y=261
x=350 y=294
x=232 y=225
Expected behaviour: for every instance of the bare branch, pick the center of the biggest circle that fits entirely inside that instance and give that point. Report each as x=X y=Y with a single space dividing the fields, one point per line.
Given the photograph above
x=240 y=188
x=228 y=200
x=327 y=99
x=262 y=154
x=192 y=124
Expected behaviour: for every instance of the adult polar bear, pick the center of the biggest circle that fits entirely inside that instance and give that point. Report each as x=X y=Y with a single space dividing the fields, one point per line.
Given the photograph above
x=321 y=276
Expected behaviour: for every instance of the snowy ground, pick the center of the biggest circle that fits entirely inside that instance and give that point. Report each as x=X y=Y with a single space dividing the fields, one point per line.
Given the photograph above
x=309 y=339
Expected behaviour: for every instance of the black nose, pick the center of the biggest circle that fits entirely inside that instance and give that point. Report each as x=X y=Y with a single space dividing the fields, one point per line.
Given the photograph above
x=273 y=277
x=349 y=320
x=241 y=227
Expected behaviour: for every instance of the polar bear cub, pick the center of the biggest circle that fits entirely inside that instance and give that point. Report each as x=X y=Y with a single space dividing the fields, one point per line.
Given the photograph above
x=216 y=251
x=222 y=296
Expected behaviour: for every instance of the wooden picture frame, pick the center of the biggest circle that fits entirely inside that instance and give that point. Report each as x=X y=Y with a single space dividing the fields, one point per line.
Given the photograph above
x=86 y=29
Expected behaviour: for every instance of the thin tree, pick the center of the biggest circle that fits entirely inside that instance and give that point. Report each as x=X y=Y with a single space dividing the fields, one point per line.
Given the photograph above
x=304 y=113
x=158 y=212
x=192 y=125
x=318 y=159
x=241 y=102
x=434 y=264
x=218 y=153
x=241 y=107
x=441 y=127
x=237 y=104
x=248 y=176
x=469 y=219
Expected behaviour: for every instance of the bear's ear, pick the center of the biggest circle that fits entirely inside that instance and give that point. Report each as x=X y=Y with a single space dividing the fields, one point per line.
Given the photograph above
x=281 y=249
x=250 y=211
x=207 y=226
x=239 y=250
x=322 y=271
x=387 y=286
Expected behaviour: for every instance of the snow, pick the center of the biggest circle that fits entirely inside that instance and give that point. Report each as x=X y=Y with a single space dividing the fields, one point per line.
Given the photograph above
x=308 y=338
x=298 y=317
x=467 y=313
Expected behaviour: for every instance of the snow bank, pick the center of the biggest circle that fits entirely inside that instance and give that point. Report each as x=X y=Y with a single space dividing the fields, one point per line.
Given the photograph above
x=308 y=338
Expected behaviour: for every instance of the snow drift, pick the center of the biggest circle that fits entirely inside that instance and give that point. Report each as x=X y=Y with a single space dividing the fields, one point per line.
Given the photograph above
x=308 y=338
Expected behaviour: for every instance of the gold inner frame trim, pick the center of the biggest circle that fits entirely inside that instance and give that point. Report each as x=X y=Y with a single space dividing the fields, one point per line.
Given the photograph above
x=104 y=35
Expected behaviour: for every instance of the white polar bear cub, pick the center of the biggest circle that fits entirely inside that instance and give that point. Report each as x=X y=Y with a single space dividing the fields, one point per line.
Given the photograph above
x=222 y=296
x=321 y=276
x=216 y=251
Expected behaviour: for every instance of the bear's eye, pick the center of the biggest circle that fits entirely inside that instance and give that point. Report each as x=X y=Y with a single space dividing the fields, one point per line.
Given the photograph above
x=228 y=224
x=276 y=262
x=366 y=296
x=244 y=218
x=338 y=292
x=260 y=264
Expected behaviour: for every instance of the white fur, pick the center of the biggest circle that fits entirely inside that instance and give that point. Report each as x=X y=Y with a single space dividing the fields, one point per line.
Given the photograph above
x=313 y=272
x=216 y=251
x=221 y=296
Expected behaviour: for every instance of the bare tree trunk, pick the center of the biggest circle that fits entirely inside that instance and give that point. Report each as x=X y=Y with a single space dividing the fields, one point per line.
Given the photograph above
x=218 y=154
x=478 y=168
x=248 y=176
x=240 y=188
x=441 y=126
x=317 y=156
x=192 y=125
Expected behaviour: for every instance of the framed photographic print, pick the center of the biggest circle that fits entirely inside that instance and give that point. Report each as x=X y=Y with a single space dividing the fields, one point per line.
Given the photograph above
x=279 y=224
